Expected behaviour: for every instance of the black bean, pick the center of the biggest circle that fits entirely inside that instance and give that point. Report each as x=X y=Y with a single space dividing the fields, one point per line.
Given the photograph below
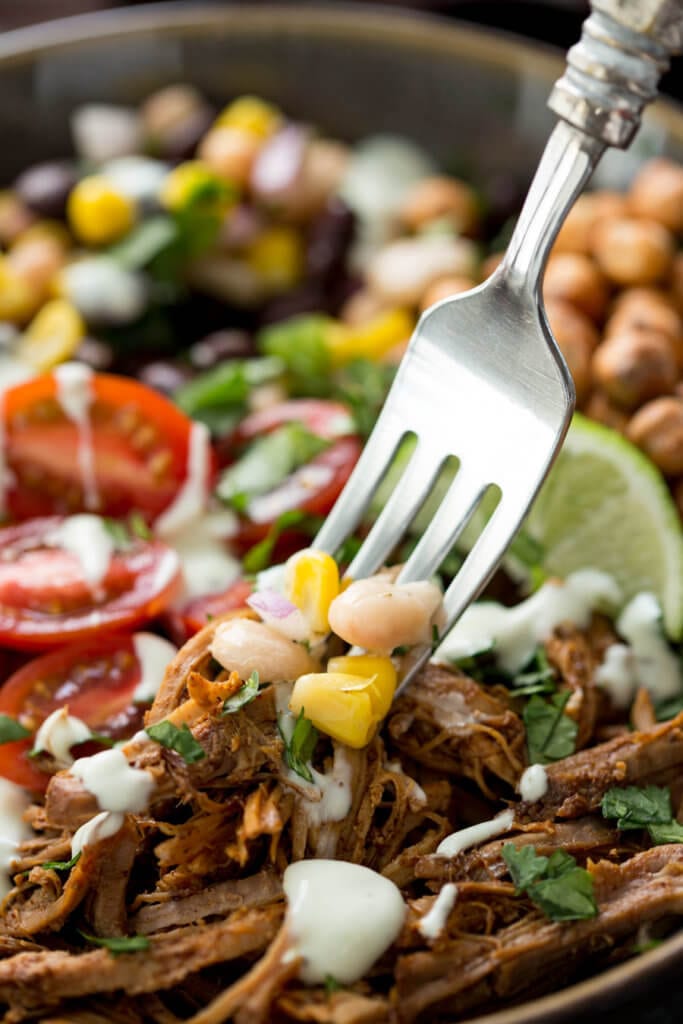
x=329 y=239
x=45 y=187
x=95 y=353
x=219 y=345
x=164 y=377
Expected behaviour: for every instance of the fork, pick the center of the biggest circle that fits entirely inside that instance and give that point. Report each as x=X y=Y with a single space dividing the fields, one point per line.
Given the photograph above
x=482 y=378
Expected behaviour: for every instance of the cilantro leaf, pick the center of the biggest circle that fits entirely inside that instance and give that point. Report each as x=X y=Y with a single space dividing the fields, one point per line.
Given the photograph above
x=537 y=676
x=550 y=734
x=669 y=708
x=61 y=865
x=118 y=944
x=331 y=985
x=258 y=557
x=363 y=386
x=567 y=896
x=672 y=832
x=168 y=735
x=11 y=730
x=301 y=344
x=246 y=693
x=636 y=807
x=299 y=750
x=118 y=532
x=225 y=386
x=524 y=865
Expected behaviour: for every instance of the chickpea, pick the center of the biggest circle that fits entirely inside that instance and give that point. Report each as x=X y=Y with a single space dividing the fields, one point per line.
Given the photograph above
x=657 y=428
x=677 y=282
x=440 y=198
x=575 y=234
x=634 y=367
x=633 y=252
x=577 y=337
x=164 y=110
x=444 y=287
x=602 y=410
x=490 y=264
x=657 y=193
x=379 y=615
x=323 y=168
x=15 y=217
x=362 y=307
x=230 y=152
x=575 y=278
x=402 y=271
x=648 y=309
x=245 y=646
x=37 y=260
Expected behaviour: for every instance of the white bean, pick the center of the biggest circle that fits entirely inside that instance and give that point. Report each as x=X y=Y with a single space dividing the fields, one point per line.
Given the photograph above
x=401 y=271
x=245 y=646
x=379 y=615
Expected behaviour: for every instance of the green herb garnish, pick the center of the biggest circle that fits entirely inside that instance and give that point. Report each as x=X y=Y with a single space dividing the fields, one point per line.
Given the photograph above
x=363 y=386
x=556 y=884
x=145 y=242
x=168 y=735
x=118 y=532
x=669 y=708
x=246 y=693
x=61 y=865
x=524 y=864
x=550 y=734
x=331 y=985
x=11 y=730
x=299 y=750
x=648 y=807
x=537 y=676
x=258 y=557
x=137 y=525
x=301 y=345
x=226 y=387
x=118 y=944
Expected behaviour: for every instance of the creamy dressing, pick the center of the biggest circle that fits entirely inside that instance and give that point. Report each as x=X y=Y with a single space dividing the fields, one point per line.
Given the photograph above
x=190 y=501
x=113 y=782
x=657 y=667
x=533 y=784
x=88 y=539
x=13 y=829
x=102 y=826
x=342 y=917
x=153 y=653
x=286 y=721
x=456 y=842
x=617 y=675
x=59 y=733
x=207 y=565
x=335 y=789
x=74 y=394
x=514 y=633
x=434 y=921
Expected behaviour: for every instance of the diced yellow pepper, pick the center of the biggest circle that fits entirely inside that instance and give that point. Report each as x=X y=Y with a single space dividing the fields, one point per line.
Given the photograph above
x=52 y=337
x=277 y=256
x=338 y=704
x=98 y=213
x=250 y=114
x=379 y=672
x=312 y=583
x=193 y=179
x=371 y=340
x=18 y=299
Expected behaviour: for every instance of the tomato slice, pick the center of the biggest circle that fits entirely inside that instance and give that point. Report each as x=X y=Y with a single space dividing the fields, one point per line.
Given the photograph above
x=108 y=445
x=95 y=678
x=196 y=613
x=46 y=600
x=323 y=418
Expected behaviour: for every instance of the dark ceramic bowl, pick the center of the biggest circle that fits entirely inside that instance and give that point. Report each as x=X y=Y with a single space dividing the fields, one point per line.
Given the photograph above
x=474 y=99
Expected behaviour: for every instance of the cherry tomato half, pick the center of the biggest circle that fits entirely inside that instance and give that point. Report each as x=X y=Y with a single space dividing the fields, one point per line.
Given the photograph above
x=46 y=600
x=96 y=679
x=323 y=418
x=108 y=445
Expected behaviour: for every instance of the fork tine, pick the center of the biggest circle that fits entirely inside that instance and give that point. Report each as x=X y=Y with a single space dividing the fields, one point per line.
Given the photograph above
x=450 y=519
x=405 y=501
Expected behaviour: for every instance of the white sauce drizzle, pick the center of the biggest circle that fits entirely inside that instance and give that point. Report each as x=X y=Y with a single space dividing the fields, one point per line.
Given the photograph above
x=190 y=501
x=515 y=632
x=617 y=675
x=434 y=921
x=88 y=539
x=657 y=668
x=13 y=829
x=456 y=842
x=154 y=653
x=102 y=826
x=59 y=733
x=335 y=788
x=533 y=784
x=74 y=394
x=113 y=782
x=342 y=917
x=207 y=565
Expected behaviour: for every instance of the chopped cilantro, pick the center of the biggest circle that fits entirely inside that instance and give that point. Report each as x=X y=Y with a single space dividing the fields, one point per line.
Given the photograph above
x=669 y=708
x=225 y=387
x=537 y=676
x=671 y=832
x=168 y=735
x=550 y=734
x=524 y=865
x=331 y=985
x=299 y=750
x=301 y=345
x=246 y=693
x=61 y=865
x=363 y=386
x=11 y=730
x=118 y=944
x=118 y=532
x=258 y=557
x=647 y=807
x=556 y=884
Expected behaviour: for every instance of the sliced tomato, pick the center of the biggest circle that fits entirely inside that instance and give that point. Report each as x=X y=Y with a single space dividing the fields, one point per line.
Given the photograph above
x=323 y=418
x=46 y=600
x=111 y=447
x=189 y=619
x=96 y=679
x=313 y=488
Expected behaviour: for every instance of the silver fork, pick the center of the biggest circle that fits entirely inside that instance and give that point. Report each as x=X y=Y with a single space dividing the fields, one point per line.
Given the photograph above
x=483 y=378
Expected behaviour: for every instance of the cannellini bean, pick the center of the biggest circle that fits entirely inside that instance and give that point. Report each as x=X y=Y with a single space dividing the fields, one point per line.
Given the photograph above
x=103 y=131
x=402 y=271
x=379 y=615
x=245 y=646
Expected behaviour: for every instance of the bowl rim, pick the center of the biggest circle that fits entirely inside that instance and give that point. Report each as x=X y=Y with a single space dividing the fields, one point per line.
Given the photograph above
x=413 y=30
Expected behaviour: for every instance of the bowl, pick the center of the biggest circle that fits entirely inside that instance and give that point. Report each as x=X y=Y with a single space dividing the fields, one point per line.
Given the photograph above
x=474 y=99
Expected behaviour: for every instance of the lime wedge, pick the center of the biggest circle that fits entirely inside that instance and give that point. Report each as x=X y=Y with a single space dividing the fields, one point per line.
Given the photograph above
x=605 y=506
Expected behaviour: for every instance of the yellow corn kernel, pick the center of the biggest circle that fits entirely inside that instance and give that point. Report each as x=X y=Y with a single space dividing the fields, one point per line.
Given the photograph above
x=338 y=704
x=370 y=340
x=98 y=213
x=277 y=256
x=379 y=672
x=194 y=180
x=18 y=298
x=250 y=114
x=52 y=337
x=312 y=583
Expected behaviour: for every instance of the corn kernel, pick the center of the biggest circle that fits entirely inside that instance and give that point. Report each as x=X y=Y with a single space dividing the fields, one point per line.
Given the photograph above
x=369 y=340
x=18 y=298
x=98 y=213
x=250 y=114
x=277 y=256
x=338 y=704
x=191 y=181
x=52 y=337
x=380 y=674
x=312 y=583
